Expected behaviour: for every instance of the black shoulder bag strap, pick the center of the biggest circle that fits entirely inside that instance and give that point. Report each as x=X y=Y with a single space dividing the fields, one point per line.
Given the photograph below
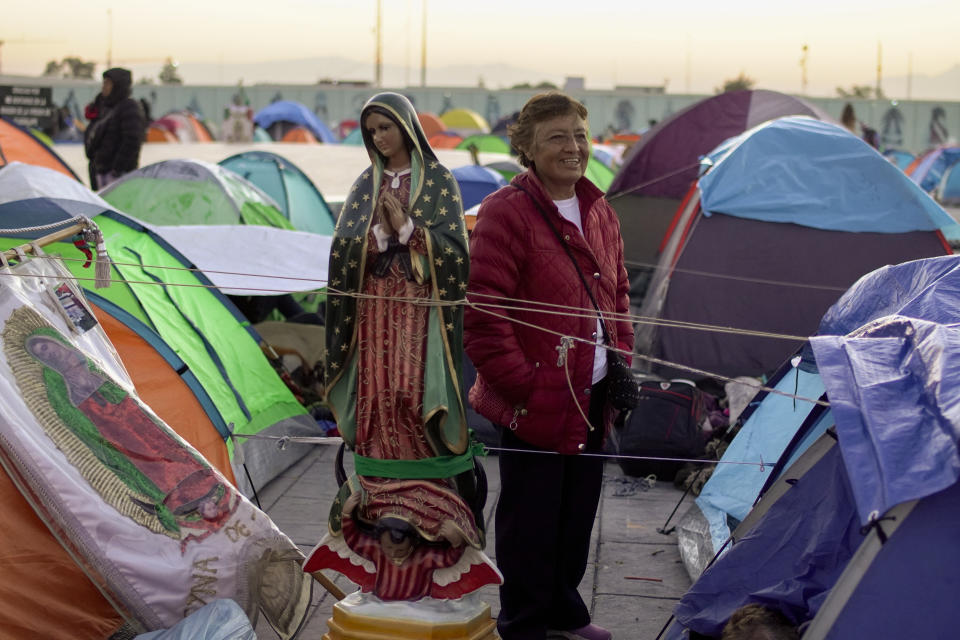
x=546 y=217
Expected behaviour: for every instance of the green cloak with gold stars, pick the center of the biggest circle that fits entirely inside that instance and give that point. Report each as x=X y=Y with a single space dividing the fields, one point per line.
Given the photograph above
x=435 y=206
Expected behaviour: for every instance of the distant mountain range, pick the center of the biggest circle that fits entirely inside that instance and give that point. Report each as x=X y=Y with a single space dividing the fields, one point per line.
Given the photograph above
x=311 y=70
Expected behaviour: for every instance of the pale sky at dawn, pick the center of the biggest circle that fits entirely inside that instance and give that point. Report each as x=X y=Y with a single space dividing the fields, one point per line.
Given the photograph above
x=693 y=46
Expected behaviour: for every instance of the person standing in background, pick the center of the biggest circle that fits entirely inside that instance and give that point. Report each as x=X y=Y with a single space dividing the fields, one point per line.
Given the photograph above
x=116 y=129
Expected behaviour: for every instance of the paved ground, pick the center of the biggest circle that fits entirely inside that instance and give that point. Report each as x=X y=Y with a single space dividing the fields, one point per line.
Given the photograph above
x=635 y=574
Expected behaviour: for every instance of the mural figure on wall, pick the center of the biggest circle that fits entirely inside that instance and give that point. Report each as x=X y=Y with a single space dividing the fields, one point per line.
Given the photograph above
x=892 y=136
x=320 y=105
x=938 y=127
x=623 y=116
x=493 y=107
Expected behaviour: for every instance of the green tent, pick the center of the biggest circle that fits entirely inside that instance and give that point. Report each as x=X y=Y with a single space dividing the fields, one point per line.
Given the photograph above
x=178 y=307
x=179 y=192
x=485 y=142
x=599 y=174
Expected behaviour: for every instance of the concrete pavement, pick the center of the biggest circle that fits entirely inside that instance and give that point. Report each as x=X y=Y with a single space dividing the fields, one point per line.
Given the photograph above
x=633 y=580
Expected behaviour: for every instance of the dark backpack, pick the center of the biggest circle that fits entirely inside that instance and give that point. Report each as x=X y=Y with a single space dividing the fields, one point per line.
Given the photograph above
x=665 y=424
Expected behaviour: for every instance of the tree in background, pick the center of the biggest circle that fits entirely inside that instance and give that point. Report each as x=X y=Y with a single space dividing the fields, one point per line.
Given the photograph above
x=863 y=91
x=742 y=81
x=168 y=74
x=70 y=67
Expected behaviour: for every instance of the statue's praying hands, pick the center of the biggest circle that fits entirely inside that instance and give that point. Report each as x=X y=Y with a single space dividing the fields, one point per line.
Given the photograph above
x=392 y=215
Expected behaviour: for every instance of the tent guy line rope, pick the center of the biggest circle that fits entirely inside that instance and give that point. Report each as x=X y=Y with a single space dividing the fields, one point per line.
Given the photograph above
x=647 y=358
x=540 y=308
x=283 y=441
x=694 y=272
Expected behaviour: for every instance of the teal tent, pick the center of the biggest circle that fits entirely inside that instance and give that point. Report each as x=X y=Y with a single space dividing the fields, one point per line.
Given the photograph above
x=299 y=199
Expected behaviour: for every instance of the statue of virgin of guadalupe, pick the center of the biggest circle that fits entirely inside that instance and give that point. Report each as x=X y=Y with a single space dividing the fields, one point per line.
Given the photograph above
x=398 y=266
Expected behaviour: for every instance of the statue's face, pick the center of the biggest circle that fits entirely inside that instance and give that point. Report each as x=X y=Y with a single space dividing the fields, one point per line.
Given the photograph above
x=53 y=353
x=398 y=552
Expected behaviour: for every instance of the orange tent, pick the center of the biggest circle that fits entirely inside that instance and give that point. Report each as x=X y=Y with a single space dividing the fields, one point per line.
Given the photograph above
x=444 y=141
x=162 y=388
x=44 y=591
x=159 y=134
x=432 y=125
x=299 y=134
x=19 y=145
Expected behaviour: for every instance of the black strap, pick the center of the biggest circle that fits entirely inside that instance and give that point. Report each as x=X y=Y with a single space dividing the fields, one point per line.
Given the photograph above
x=546 y=217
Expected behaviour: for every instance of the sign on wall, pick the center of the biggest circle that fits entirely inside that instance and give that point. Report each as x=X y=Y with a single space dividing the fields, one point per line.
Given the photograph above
x=29 y=107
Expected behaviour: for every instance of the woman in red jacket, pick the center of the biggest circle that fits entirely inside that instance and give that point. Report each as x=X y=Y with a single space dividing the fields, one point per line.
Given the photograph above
x=536 y=340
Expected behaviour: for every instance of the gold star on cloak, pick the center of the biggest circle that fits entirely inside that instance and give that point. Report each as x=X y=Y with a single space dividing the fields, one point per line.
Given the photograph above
x=418 y=213
x=444 y=192
x=356 y=205
x=430 y=182
x=426 y=197
x=366 y=197
x=453 y=226
x=442 y=211
x=433 y=165
x=439 y=262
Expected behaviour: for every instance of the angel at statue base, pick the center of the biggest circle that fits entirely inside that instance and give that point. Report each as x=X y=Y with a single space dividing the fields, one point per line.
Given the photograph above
x=391 y=560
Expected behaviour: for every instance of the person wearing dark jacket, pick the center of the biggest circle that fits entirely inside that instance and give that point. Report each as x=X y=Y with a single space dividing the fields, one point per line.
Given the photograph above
x=535 y=338
x=115 y=131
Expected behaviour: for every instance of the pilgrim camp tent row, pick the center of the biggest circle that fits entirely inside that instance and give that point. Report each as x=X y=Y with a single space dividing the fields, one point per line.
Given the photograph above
x=282 y=116
x=657 y=171
x=194 y=192
x=176 y=312
x=786 y=217
x=855 y=535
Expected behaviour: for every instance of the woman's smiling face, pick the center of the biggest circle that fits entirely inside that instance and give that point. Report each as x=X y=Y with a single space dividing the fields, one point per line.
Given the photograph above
x=560 y=152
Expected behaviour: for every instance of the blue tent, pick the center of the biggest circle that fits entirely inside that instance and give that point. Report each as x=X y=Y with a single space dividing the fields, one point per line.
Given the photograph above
x=933 y=165
x=296 y=114
x=476 y=183
x=794 y=211
x=899 y=157
x=770 y=425
x=878 y=512
x=299 y=199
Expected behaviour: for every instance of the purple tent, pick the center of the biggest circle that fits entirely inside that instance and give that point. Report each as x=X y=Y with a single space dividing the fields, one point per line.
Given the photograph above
x=659 y=170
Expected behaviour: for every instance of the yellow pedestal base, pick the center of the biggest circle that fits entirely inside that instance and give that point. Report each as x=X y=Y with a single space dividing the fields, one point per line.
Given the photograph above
x=361 y=617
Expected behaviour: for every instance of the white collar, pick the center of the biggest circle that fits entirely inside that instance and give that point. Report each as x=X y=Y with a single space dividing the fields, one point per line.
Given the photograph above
x=393 y=174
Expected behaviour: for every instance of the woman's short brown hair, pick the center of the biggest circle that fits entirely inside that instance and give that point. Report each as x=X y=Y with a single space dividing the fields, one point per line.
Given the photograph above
x=539 y=108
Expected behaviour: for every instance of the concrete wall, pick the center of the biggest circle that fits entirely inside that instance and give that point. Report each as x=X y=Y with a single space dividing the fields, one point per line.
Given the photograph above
x=904 y=124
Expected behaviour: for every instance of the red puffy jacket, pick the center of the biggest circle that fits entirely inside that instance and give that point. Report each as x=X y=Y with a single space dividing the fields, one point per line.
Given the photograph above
x=519 y=270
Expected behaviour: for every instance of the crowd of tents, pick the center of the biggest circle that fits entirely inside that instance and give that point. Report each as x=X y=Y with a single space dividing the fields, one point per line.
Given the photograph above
x=764 y=242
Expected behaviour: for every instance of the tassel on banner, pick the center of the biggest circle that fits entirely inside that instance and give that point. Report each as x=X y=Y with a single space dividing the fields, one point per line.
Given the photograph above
x=102 y=264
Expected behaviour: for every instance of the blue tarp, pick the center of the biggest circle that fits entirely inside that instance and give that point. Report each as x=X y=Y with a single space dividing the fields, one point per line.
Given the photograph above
x=766 y=173
x=791 y=558
x=289 y=111
x=893 y=383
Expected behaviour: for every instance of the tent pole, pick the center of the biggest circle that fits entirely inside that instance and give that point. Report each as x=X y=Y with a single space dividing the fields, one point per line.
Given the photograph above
x=56 y=236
